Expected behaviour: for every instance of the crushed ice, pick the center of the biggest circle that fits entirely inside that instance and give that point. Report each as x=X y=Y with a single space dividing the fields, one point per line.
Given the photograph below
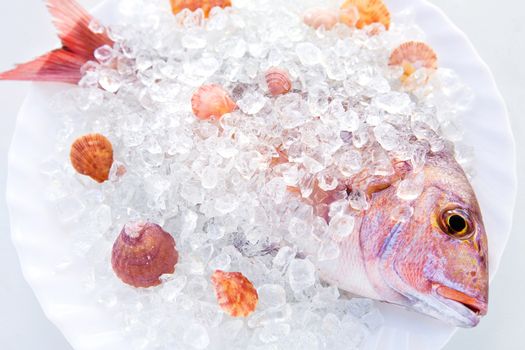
x=211 y=184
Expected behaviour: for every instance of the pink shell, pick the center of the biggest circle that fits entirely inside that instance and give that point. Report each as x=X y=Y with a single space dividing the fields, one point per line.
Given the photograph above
x=321 y=17
x=211 y=102
x=142 y=253
x=278 y=81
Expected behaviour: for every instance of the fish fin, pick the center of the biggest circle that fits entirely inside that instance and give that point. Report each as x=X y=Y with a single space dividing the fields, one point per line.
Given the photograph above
x=78 y=46
x=72 y=22
x=59 y=66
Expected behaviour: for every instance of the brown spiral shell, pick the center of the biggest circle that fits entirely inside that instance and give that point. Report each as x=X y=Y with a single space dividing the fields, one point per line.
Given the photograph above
x=278 y=80
x=92 y=155
x=142 y=253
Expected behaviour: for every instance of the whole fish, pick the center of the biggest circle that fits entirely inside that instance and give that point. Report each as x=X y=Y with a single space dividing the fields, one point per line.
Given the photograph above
x=429 y=253
x=434 y=261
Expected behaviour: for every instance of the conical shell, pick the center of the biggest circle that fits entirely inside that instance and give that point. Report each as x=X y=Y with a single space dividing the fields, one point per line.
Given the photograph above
x=206 y=5
x=211 y=102
x=370 y=11
x=278 y=80
x=235 y=293
x=321 y=17
x=142 y=253
x=92 y=155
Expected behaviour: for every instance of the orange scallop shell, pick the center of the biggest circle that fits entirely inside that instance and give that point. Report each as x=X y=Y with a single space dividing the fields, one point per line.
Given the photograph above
x=211 y=101
x=142 y=253
x=413 y=55
x=349 y=15
x=92 y=155
x=321 y=17
x=235 y=293
x=278 y=80
x=370 y=11
x=206 y=5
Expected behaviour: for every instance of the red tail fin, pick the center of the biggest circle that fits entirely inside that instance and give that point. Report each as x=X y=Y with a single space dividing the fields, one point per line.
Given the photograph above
x=78 y=46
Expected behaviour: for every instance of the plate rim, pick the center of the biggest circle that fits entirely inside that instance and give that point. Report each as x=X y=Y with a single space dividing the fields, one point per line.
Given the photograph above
x=10 y=193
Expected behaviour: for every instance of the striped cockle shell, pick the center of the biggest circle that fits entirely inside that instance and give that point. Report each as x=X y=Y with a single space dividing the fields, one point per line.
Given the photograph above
x=142 y=253
x=412 y=56
x=211 y=102
x=92 y=155
x=370 y=11
x=278 y=80
x=236 y=295
x=318 y=17
x=192 y=5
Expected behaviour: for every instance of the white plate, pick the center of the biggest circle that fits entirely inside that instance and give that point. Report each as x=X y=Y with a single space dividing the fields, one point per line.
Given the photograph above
x=42 y=242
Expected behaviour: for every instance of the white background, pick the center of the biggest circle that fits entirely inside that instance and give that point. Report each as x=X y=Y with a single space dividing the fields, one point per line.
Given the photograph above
x=497 y=29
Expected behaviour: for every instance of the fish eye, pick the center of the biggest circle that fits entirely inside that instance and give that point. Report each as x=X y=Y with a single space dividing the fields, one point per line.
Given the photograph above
x=456 y=223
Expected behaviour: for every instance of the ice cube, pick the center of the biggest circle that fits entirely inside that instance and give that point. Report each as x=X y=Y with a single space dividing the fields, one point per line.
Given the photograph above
x=411 y=187
x=271 y=295
x=284 y=256
x=196 y=336
x=301 y=274
x=220 y=262
x=308 y=53
x=274 y=331
x=193 y=41
x=393 y=102
x=252 y=102
x=329 y=250
x=388 y=136
x=341 y=226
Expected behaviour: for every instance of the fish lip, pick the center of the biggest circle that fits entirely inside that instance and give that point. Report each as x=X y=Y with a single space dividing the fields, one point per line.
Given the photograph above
x=473 y=304
x=461 y=314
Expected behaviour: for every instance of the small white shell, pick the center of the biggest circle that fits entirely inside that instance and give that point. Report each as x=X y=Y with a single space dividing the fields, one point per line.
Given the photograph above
x=318 y=17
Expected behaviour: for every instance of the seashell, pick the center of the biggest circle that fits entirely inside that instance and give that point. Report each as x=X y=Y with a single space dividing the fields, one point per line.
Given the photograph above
x=121 y=170
x=206 y=5
x=235 y=293
x=211 y=101
x=413 y=55
x=370 y=11
x=278 y=81
x=118 y=170
x=142 y=253
x=318 y=17
x=92 y=155
x=349 y=15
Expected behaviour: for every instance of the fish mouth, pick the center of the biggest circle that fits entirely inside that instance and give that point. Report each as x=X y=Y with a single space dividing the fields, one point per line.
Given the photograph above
x=475 y=305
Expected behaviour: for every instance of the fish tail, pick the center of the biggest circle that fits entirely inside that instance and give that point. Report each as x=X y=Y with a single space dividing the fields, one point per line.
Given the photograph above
x=59 y=65
x=79 y=43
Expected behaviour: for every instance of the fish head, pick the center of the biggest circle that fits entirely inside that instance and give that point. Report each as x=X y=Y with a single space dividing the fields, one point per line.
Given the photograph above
x=436 y=262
